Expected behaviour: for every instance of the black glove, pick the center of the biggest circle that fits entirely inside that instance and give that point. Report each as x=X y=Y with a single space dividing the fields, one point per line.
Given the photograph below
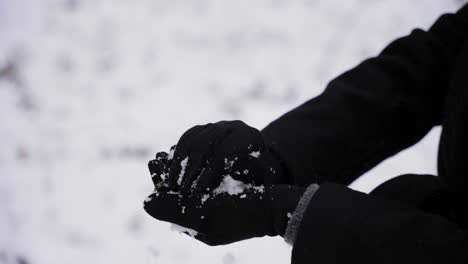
x=204 y=154
x=160 y=167
x=232 y=212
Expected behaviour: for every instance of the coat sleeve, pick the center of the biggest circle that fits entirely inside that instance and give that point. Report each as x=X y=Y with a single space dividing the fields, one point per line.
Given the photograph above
x=341 y=225
x=380 y=107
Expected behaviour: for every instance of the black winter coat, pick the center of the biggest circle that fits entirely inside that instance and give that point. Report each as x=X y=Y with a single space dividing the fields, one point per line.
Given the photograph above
x=380 y=107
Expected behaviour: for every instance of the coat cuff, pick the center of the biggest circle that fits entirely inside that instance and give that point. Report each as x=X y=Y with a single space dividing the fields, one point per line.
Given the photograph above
x=296 y=218
x=341 y=225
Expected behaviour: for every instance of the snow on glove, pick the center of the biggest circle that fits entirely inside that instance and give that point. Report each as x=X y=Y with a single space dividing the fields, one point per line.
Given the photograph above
x=204 y=154
x=232 y=212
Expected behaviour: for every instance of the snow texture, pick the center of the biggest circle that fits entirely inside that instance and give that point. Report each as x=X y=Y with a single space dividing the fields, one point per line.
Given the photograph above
x=255 y=154
x=230 y=186
x=183 y=166
x=229 y=258
x=148 y=199
x=234 y=187
x=204 y=198
x=229 y=164
x=259 y=189
x=91 y=90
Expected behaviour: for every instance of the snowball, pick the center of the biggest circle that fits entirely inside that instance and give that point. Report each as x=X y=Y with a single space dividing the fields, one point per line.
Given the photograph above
x=183 y=165
x=255 y=154
x=184 y=230
x=231 y=186
x=246 y=172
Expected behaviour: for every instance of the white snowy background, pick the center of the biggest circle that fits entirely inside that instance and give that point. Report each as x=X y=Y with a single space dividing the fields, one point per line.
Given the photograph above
x=90 y=90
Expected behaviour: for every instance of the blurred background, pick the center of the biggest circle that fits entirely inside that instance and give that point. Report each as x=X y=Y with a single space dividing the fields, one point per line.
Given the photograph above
x=90 y=90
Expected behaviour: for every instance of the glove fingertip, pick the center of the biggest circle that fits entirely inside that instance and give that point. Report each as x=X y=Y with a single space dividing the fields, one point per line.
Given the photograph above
x=149 y=199
x=162 y=155
x=152 y=166
x=162 y=204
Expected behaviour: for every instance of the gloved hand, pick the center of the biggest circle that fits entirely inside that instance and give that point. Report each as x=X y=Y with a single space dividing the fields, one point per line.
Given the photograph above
x=232 y=212
x=204 y=154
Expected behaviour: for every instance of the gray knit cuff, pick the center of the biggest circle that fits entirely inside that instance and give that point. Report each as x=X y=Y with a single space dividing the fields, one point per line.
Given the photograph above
x=296 y=218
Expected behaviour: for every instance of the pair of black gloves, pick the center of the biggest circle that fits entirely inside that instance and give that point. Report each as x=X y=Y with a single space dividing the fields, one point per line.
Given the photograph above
x=223 y=182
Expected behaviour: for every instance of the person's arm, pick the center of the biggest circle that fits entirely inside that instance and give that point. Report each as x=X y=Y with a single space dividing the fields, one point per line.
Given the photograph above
x=341 y=225
x=382 y=106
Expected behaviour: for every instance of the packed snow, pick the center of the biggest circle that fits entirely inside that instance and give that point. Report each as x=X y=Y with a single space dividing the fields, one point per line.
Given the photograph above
x=234 y=187
x=183 y=167
x=91 y=90
x=258 y=189
x=231 y=186
x=255 y=154
x=204 y=198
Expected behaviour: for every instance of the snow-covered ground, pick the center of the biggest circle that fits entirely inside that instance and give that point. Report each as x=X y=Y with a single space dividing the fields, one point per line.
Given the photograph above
x=91 y=89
